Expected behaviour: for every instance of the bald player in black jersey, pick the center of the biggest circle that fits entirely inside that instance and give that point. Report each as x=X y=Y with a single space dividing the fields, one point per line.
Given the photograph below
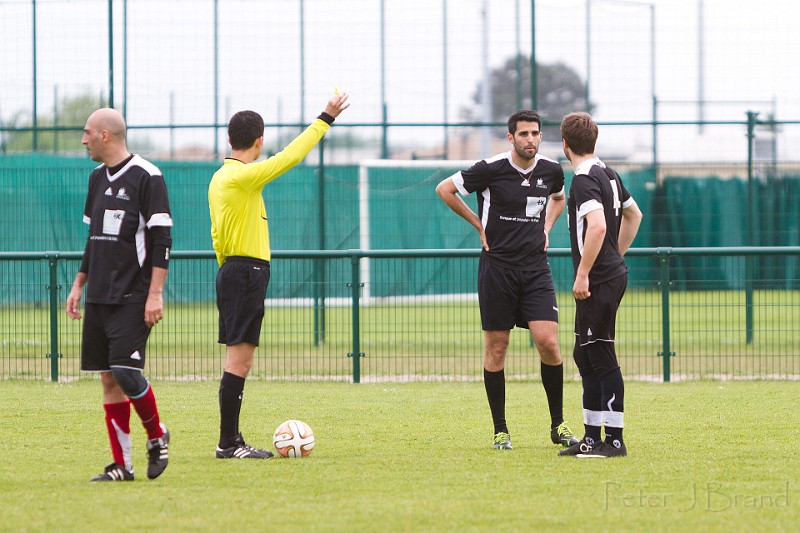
x=520 y=197
x=124 y=268
x=603 y=221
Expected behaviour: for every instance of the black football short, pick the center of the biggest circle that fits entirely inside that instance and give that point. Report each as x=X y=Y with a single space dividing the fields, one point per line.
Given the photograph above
x=113 y=335
x=595 y=324
x=241 y=289
x=509 y=297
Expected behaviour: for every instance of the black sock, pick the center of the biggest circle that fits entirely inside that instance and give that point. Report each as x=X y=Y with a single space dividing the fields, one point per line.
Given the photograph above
x=495 y=383
x=231 y=388
x=613 y=434
x=553 y=383
x=592 y=402
x=613 y=401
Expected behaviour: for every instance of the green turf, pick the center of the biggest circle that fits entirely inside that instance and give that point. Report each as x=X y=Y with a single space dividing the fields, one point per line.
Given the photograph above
x=704 y=456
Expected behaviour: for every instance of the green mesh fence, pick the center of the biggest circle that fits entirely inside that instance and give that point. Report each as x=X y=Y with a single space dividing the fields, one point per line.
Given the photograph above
x=713 y=331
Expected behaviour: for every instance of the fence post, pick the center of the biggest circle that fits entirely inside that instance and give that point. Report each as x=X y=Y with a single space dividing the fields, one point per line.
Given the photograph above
x=355 y=287
x=319 y=264
x=53 y=287
x=751 y=233
x=663 y=259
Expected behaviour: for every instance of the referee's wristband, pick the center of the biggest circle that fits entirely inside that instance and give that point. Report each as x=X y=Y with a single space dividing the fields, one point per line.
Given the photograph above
x=325 y=117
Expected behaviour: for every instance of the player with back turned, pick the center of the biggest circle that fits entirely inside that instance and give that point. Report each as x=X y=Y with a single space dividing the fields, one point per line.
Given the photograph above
x=520 y=197
x=603 y=221
x=240 y=237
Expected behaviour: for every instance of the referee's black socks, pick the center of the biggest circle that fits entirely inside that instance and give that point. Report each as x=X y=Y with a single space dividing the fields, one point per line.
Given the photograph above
x=231 y=388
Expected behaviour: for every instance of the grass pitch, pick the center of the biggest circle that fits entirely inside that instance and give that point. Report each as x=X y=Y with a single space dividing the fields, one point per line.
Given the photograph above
x=704 y=456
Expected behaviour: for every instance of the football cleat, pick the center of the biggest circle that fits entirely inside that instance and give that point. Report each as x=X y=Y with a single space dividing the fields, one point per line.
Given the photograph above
x=157 y=455
x=502 y=441
x=585 y=445
x=561 y=434
x=114 y=472
x=240 y=450
x=604 y=450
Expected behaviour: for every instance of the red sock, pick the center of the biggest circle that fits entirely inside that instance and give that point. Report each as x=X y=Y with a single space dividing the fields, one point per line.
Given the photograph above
x=118 y=424
x=148 y=411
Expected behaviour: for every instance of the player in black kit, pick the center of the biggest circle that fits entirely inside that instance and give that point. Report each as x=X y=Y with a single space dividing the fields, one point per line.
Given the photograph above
x=125 y=266
x=603 y=221
x=520 y=196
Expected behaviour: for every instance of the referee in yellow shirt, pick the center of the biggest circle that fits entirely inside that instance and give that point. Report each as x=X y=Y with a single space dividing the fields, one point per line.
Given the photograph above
x=241 y=241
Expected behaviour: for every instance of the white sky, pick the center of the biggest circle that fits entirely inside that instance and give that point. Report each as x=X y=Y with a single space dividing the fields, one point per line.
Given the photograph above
x=749 y=51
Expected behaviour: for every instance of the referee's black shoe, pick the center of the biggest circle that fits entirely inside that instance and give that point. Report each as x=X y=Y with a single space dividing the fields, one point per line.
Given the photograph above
x=157 y=455
x=240 y=450
x=114 y=472
x=561 y=434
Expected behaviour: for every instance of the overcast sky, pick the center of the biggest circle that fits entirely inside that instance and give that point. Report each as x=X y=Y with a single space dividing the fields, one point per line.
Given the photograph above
x=749 y=52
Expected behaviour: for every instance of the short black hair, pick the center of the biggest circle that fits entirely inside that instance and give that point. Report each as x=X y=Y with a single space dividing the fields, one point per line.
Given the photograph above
x=244 y=128
x=523 y=115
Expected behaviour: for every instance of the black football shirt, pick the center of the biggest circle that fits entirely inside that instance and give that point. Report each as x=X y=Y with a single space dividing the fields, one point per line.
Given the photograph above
x=512 y=204
x=120 y=210
x=596 y=186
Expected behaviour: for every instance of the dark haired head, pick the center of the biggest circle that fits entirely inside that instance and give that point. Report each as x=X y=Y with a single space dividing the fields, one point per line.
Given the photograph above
x=580 y=133
x=523 y=115
x=244 y=128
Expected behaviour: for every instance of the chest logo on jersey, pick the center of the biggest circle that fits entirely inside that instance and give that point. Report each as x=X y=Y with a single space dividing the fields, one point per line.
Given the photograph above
x=121 y=195
x=112 y=221
x=534 y=207
x=540 y=184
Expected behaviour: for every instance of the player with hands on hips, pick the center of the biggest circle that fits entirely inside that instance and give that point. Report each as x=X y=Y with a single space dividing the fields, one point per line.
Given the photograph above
x=520 y=196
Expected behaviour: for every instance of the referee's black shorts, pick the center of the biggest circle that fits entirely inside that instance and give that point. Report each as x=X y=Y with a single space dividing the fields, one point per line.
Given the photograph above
x=113 y=335
x=509 y=297
x=241 y=289
x=595 y=324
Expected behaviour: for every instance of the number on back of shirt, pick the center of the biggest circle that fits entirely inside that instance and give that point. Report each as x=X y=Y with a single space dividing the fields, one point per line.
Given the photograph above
x=616 y=205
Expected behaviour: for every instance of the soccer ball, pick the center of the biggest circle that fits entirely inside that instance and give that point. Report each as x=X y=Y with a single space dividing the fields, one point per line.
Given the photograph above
x=293 y=438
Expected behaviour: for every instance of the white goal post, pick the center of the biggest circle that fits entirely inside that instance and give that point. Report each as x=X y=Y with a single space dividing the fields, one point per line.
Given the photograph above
x=440 y=166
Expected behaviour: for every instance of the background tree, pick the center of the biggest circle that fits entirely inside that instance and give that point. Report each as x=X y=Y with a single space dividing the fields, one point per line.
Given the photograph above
x=72 y=113
x=560 y=91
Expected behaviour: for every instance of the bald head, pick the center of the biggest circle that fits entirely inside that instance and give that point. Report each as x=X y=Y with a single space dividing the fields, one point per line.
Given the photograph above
x=104 y=136
x=110 y=120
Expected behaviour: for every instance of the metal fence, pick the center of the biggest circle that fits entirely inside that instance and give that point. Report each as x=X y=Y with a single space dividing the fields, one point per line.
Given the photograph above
x=703 y=327
x=429 y=79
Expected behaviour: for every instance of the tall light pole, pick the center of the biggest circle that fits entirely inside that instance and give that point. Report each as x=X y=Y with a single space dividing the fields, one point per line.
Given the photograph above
x=654 y=103
x=486 y=86
x=652 y=42
x=700 y=68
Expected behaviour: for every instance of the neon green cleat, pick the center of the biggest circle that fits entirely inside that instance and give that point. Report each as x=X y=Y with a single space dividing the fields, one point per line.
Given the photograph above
x=502 y=441
x=561 y=434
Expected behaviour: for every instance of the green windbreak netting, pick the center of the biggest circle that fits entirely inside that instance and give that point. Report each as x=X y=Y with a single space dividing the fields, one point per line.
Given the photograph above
x=394 y=206
x=712 y=212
